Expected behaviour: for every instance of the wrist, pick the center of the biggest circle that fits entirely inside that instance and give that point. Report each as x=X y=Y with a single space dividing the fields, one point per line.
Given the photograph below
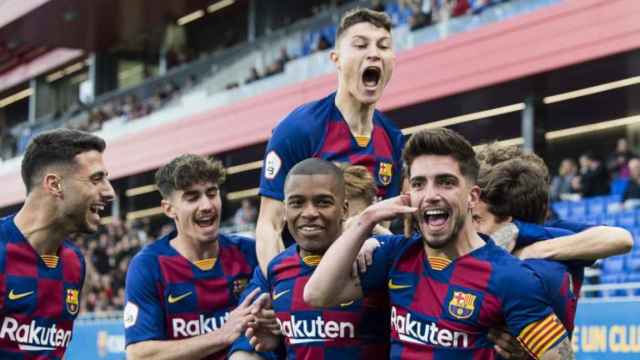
x=366 y=221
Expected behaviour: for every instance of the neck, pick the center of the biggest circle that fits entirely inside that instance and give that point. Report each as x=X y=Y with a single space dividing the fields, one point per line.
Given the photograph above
x=467 y=241
x=38 y=221
x=304 y=253
x=358 y=116
x=194 y=250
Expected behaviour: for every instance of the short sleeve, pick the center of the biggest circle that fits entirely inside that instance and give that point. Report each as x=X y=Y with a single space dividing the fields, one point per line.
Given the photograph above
x=528 y=313
x=290 y=143
x=143 y=313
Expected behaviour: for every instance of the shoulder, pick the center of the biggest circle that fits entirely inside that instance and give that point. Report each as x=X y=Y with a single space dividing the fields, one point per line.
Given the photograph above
x=72 y=248
x=388 y=125
x=244 y=244
x=510 y=276
x=306 y=117
x=147 y=257
x=286 y=259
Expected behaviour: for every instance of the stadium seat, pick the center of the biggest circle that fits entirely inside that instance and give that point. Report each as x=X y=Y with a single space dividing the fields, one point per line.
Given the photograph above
x=578 y=209
x=561 y=208
x=619 y=185
x=609 y=220
x=597 y=205
x=627 y=219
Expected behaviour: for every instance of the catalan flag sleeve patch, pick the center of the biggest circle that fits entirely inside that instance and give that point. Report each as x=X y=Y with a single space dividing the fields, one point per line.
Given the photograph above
x=542 y=335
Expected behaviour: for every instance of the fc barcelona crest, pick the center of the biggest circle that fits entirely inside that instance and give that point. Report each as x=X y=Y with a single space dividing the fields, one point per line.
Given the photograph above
x=462 y=305
x=238 y=286
x=385 y=173
x=72 y=301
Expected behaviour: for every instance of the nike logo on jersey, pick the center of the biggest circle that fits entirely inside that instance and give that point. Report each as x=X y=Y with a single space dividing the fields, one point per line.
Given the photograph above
x=393 y=286
x=173 y=300
x=14 y=296
x=278 y=295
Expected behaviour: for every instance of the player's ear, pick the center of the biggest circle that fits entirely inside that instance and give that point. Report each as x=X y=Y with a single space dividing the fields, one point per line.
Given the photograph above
x=345 y=210
x=334 y=56
x=474 y=197
x=52 y=184
x=168 y=208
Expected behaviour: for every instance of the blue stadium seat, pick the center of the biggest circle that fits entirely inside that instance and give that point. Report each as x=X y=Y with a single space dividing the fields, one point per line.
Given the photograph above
x=309 y=42
x=578 y=210
x=597 y=205
x=613 y=273
x=619 y=185
x=627 y=219
x=561 y=208
x=594 y=219
x=609 y=220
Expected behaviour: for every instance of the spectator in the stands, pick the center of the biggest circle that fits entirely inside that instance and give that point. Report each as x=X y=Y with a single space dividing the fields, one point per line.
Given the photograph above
x=377 y=5
x=422 y=14
x=247 y=214
x=254 y=75
x=631 y=196
x=174 y=46
x=561 y=185
x=594 y=179
x=618 y=160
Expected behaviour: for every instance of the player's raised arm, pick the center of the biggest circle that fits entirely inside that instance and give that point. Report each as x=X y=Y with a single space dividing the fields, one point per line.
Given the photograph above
x=591 y=244
x=332 y=283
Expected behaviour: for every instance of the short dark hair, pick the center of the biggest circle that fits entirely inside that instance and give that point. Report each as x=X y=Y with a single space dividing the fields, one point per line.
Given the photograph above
x=315 y=166
x=56 y=147
x=187 y=170
x=494 y=153
x=361 y=15
x=515 y=188
x=442 y=141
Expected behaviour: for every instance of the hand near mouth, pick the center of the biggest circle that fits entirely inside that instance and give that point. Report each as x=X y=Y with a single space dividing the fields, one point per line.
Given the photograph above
x=389 y=209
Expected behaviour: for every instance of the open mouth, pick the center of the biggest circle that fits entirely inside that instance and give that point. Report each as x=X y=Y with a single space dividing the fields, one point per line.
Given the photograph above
x=310 y=229
x=436 y=219
x=371 y=76
x=205 y=221
x=96 y=209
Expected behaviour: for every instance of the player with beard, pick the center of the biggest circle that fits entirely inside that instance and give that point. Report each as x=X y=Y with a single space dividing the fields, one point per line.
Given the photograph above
x=315 y=208
x=41 y=272
x=342 y=127
x=447 y=284
x=181 y=290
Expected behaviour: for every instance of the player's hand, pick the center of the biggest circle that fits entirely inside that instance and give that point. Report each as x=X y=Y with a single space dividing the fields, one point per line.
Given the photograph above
x=388 y=209
x=239 y=319
x=506 y=345
x=264 y=332
x=365 y=257
x=506 y=236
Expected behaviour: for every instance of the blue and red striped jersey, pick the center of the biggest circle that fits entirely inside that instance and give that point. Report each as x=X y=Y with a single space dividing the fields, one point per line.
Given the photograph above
x=562 y=279
x=445 y=311
x=38 y=304
x=317 y=129
x=354 y=330
x=168 y=297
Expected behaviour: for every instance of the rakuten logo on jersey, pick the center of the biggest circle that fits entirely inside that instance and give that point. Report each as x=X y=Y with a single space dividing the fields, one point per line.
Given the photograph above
x=187 y=328
x=426 y=333
x=316 y=330
x=31 y=337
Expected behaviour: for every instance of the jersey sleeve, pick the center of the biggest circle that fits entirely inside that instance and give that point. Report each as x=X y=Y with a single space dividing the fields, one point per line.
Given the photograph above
x=258 y=281
x=290 y=143
x=528 y=314
x=143 y=313
x=375 y=278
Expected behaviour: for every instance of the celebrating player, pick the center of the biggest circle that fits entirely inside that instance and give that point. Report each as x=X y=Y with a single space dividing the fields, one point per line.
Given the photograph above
x=447 y=285
x=517 y=189
x=181 y=289
x=42 y=273
x=315 y=208
x=342 y=127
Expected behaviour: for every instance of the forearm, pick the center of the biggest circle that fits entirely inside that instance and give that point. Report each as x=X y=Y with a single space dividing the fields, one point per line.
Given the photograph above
x=269 y=231
x=268 y=243
x=193 y=348
x=332 y=276
x=592 y=244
